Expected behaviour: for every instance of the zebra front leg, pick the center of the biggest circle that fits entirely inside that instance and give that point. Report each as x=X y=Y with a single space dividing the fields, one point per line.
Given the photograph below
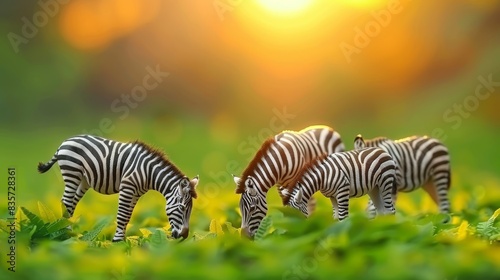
x=311 y=205
x=342 y=200
x=388 y=192
x=335 y=207
x=126 y=203
x=371 y=211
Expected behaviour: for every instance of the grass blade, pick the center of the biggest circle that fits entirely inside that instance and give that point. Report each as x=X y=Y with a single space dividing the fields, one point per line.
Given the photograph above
x=264 y=227
x=91 y=235
x=35 y=220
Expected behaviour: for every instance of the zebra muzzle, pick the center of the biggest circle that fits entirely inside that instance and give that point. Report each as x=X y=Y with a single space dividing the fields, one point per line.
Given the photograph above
x=246 y=233
x=182 y=233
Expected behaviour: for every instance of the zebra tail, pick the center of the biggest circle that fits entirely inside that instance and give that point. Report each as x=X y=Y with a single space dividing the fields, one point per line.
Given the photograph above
x=44 y=167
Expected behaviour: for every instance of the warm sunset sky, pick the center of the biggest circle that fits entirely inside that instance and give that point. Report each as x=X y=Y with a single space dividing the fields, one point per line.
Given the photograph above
x=319 y=57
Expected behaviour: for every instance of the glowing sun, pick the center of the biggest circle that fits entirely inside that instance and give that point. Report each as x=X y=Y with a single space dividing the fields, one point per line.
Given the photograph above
x=284 y=6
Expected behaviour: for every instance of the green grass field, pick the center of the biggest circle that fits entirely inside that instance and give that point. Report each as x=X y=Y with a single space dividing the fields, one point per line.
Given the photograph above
x=207 y=82
x=414 y=244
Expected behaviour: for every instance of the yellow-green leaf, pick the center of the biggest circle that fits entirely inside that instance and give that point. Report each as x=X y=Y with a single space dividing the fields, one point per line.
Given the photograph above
x=495 y=215
x=215 y=227
x=462 y=230
x=45 y=213
x=19 y=217
x=145 y=232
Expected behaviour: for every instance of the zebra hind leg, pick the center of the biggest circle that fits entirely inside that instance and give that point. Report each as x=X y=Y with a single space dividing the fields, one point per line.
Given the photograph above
x=69 y=200
x=80 y=192
x=126 y=203
x=389 y=191
x=437 y=188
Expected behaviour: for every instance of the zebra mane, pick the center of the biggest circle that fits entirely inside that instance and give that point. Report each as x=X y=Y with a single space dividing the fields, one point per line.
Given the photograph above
x=161 y=155
x=408 y=138
x=379 y=140
x=316 y=126
x=240 y=188
x=376 y=141
x=308 y=166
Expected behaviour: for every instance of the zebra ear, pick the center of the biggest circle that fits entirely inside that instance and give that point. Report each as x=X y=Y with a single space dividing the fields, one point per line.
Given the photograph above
x=237 y=180
x=195 y=181
x=359 y=142
x=284 y=192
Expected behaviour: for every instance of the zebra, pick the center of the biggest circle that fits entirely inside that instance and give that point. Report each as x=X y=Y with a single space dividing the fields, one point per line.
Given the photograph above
x=421 y=162
x=129 y=169
x=277 y=162
x=343 y=175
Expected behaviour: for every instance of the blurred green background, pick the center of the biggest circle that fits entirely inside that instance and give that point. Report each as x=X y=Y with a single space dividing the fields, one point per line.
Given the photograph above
x=208 y=81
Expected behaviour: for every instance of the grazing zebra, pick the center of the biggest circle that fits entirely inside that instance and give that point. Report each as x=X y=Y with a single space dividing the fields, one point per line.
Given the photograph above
x=421 y=161
x=278 y=161
x=343 y=175
x=129 y=169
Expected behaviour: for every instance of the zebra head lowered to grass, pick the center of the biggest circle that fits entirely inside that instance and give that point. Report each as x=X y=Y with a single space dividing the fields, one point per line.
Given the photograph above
x=129 y=169
x=277 y=162
x=340 y=176
x=421 y=162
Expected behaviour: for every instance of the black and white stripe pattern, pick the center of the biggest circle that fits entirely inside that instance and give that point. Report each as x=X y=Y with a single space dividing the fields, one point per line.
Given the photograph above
x=421 y=162
x=129 y=169
x=277 y=163
x=343 y=175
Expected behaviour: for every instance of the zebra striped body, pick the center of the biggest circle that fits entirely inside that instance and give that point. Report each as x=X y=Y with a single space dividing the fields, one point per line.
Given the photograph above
x=343 y=175
x=278 y=161
x=421 y=161
x=129 y=169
